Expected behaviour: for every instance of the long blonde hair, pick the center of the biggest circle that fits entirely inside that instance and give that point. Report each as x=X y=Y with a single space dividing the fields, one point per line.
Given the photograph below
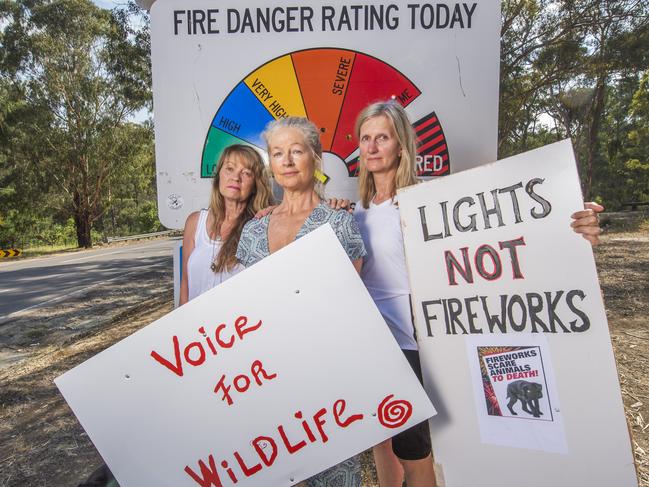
x=261 y=197
x=406 y=175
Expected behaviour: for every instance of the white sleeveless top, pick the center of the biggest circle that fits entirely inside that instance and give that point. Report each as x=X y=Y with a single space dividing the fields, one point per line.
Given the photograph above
x=201 y=277
x=384 y=271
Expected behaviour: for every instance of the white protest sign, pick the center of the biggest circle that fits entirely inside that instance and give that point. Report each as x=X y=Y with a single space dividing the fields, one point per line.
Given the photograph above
x=260 y=381
x=223 y=70
x=513 y=335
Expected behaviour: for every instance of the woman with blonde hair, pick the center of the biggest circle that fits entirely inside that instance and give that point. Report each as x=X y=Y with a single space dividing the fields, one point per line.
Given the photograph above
x=387 y=162
x=240 y=188
x=387 y=144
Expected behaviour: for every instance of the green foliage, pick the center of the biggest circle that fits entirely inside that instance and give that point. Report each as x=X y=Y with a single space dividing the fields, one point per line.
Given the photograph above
x=579 y=63
x=73 y=167
x=72 y=75
x=628 y=154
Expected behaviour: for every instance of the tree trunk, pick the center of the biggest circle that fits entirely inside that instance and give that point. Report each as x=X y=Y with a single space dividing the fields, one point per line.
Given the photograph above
x=112 y=210
x=82 y=223
x=595 y=116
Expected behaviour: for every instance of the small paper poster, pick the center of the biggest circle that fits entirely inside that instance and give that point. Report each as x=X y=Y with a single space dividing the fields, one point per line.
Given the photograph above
x=513 y=374
x=515 y=392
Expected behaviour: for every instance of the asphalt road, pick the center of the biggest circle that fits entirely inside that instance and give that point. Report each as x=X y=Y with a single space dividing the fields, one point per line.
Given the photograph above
x=32 y=283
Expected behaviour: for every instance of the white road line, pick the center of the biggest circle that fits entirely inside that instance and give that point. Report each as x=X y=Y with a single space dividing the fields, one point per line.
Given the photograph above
x=72 y=293
x=23 y=264
x=94 y=256
x=41 y=277
x=127 y=250
x=38 y=259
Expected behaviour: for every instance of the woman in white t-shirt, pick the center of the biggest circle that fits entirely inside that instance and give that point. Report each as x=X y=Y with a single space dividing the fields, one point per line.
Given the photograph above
x=240 y=189
x=387 y=162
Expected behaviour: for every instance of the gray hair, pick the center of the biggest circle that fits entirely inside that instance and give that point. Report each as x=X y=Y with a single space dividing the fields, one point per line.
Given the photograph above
x=311 y=136
x=308 y=128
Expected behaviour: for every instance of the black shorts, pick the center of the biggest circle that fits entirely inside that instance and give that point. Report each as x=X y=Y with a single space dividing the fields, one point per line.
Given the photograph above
x=413 y=443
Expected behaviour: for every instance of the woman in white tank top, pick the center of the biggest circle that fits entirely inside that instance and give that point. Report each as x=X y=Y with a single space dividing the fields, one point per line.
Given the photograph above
x=387 y=144
x=240 y=188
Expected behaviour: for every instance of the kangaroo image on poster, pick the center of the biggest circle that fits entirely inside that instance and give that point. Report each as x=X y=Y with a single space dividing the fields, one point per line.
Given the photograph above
x=514 y=382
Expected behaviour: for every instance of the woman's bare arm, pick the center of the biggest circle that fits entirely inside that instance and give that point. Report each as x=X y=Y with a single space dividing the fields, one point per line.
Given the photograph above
x=188 y=248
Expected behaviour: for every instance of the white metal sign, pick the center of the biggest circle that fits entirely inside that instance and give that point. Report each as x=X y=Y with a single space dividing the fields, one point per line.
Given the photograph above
x=222 y=71
x=512 y=329
x=257 y=382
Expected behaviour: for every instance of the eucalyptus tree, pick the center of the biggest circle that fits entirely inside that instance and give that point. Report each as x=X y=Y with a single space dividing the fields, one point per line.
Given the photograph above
x=563 y=58
x=83 y=71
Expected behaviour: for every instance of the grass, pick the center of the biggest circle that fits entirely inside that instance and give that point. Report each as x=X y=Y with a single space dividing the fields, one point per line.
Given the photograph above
x=46 y=250
x=644 y=226
x=41 y=250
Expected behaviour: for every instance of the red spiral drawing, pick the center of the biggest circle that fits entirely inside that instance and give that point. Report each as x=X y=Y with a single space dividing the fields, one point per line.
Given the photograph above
x=394 y=414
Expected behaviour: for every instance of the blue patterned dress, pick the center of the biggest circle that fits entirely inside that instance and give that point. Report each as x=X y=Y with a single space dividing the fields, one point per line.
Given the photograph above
x=253 y=246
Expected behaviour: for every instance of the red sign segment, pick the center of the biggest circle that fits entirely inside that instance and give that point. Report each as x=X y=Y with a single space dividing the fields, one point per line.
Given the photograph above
x=371 y=80
x=430 y=143
x=323 y=76
x=432 y=151
x=352 y=167
x=426 y=122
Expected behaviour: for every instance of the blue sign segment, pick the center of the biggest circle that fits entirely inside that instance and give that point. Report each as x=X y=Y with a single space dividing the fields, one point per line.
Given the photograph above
x=243 y=116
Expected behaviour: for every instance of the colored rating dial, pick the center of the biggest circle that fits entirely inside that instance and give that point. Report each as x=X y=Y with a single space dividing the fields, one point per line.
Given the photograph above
x=330 y=86
x=10 y=253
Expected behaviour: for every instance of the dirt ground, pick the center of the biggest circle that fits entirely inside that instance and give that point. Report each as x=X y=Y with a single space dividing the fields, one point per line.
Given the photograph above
x=43 y=444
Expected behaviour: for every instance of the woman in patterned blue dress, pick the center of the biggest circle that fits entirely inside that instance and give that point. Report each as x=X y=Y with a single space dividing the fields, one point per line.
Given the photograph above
x=295 y=154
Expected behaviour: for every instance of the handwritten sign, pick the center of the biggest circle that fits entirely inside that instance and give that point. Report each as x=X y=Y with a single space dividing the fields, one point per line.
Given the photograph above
x=282 y=371
x=509 y=312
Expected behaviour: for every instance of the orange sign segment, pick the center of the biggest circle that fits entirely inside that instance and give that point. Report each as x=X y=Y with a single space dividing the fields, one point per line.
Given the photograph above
x=323 y=76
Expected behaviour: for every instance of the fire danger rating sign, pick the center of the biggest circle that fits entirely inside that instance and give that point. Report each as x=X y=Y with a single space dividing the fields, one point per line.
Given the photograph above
x=220 y=75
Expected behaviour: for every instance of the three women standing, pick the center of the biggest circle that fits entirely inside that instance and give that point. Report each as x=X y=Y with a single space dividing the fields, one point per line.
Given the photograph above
x=387 y=156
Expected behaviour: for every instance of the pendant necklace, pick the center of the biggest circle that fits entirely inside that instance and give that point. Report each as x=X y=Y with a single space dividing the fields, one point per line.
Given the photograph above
x=213 y=263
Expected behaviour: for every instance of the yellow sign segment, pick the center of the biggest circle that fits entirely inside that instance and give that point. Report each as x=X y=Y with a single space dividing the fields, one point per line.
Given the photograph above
x=275 y=86
x=10 y=253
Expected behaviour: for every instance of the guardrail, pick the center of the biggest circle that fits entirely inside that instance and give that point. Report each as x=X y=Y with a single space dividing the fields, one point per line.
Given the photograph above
x=633 y=205
x=144 y=235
